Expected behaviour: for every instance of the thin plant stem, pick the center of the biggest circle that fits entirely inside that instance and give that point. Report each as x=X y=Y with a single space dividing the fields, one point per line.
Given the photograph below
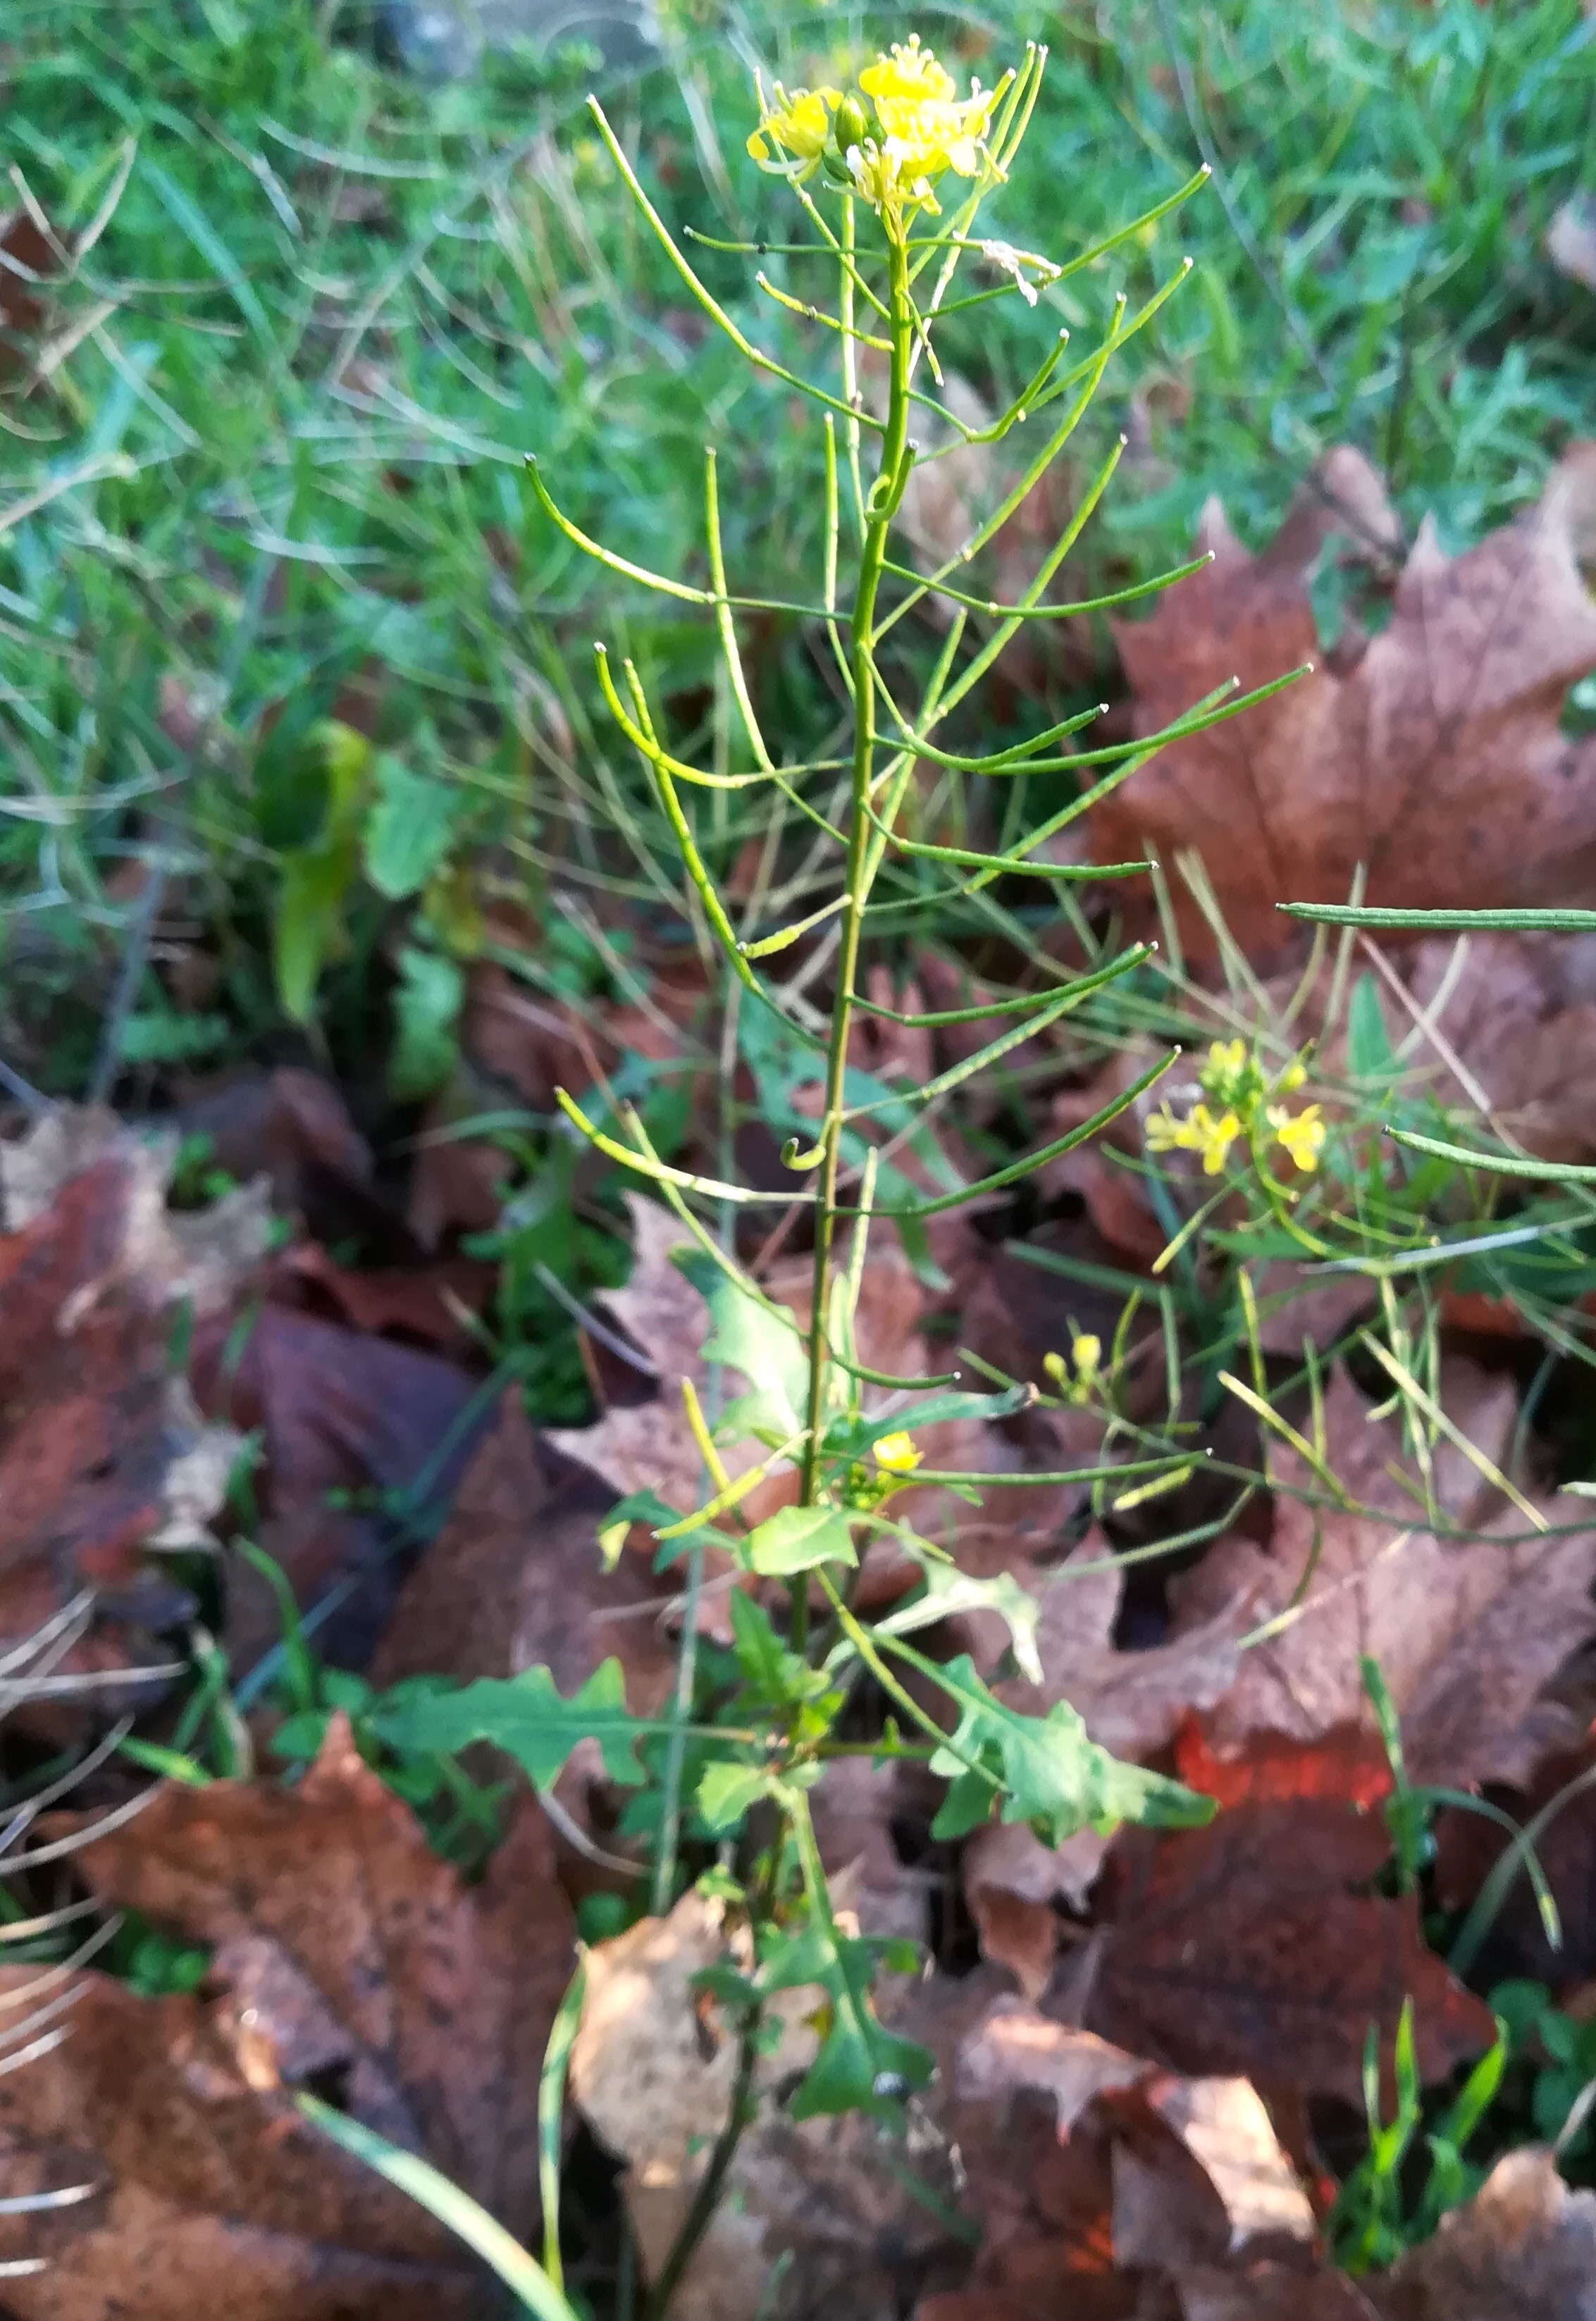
x=879 y=510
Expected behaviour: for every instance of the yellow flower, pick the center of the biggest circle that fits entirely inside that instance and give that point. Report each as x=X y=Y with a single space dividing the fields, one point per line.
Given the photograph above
x=1227 y=1056
x=898 y=1454
x=1303 y=1134
x=799 y=125
x=926 y=129
x=1202 y=1131
x=909 y=77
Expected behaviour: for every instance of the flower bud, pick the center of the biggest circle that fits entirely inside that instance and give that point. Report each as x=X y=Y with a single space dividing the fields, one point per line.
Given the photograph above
x=849 y=123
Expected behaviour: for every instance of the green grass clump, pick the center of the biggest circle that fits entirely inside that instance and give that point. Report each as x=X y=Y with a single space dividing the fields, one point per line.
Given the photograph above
x=264 y=437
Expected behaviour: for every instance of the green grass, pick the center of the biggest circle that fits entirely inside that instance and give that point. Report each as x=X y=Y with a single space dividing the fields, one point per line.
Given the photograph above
x=263 y=452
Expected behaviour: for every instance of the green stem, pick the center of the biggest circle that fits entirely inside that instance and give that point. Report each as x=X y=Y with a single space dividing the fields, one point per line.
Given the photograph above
x=878 y=512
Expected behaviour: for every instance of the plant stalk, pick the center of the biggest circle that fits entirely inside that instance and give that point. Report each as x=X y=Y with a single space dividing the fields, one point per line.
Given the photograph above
x=885 y=494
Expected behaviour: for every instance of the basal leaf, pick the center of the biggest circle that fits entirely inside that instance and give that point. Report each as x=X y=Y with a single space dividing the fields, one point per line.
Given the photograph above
x=308 y=923
x=427 y=1001
x=526 y=1718
x=408 y=829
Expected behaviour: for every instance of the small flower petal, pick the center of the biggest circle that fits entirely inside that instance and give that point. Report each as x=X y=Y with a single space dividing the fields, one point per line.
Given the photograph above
x=898 y=1454
x=1302 y=1135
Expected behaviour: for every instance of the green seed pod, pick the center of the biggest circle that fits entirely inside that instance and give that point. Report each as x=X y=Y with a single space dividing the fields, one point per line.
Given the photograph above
x=849 y=123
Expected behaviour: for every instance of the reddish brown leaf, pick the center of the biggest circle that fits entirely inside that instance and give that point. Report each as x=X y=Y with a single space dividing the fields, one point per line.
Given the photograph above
x=339 y=1412
x=293 y=1125
x=357 y=1957
x=1249 y=1948
x=102 y=1452
x=426 y=1305
x=1347 y=1767
x=1430 y=753
x=30 y=261
x=212 y=2199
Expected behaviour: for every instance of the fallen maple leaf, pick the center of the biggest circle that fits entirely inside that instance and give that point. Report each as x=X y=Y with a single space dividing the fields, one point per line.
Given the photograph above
x=514 y=1580
x=515 y=1577
x=343 y=1415
x=1466 y=1631
x=209 y=2198
x=652 y=2070
x=1252 y=1947
x=1431 y=752
x=1524 y=2249
x=1137 y=2173
x=352 y=1955
x=1132 y=1703
x=103 y=1455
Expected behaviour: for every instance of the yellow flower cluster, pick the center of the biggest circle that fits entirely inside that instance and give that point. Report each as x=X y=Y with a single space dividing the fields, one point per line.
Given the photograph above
x=921 y=129
x=1236 y=1095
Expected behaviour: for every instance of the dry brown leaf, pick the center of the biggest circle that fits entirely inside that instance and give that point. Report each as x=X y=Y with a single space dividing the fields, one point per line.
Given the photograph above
x=514 y=1579
x=30 y=262
x=294 y=1127
x=1270 y=2293
x=1253 y=1947
x=1222 y=2123
x=1466 y=1632
x=652 y=2070
x=1126 y=2172
x=432 y=1306
x=1516 y=1041
x=341 y=1414
x=1524 y=2249
x=1431 y=752
x=350 y=1952
x=1132 y=1703
x=103 y=1454
x=1013 y=2046
x=212 y=2199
